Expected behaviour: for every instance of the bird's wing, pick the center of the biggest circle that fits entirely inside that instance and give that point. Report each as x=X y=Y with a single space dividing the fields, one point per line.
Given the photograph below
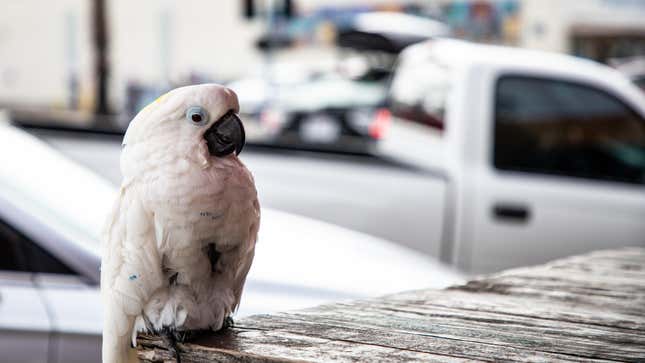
x=130 y=272
x=247 y=252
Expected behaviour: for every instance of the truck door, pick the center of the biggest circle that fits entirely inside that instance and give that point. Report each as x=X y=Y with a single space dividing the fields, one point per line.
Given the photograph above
x=566 y=174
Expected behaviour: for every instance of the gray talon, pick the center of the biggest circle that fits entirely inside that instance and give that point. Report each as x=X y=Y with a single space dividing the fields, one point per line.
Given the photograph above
x=169 y=336
x=228 y=323
x=188 y=335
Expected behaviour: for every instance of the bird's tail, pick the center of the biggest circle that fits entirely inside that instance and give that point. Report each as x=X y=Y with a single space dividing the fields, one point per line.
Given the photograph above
x=117 y=343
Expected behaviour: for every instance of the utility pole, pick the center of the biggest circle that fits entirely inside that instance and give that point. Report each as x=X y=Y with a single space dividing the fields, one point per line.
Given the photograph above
x=101 y=64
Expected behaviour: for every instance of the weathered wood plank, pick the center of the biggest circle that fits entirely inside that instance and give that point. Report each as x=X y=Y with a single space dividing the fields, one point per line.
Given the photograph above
x=464 y=342
x=430 y=301
x=584 y=308
x=254 y=345
x=497 y=329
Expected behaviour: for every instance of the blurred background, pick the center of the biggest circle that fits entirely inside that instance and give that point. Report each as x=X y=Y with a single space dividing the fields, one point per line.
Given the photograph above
x=411 y=143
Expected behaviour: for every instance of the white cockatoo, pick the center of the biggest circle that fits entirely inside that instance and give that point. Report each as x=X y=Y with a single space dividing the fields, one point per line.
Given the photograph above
x=180 y=239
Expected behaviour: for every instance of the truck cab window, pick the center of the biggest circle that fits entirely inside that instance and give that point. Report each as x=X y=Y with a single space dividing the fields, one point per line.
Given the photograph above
x=21 y=254
x=419 y=92
x=562 y=128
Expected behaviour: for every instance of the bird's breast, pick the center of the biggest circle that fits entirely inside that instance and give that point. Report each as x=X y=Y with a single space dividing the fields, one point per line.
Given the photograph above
x=196 y=206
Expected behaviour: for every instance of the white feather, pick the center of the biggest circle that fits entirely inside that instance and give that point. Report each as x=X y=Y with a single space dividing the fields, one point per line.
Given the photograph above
x=175 y=201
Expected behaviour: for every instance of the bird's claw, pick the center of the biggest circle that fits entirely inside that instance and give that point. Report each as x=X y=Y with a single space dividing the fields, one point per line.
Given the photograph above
x=172 y=336
x=180 y=335
x=169 y=337
x=183 y=336
x=228 y=323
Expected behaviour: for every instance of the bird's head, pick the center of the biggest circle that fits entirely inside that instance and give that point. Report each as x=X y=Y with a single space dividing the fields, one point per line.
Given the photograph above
x=197 y=122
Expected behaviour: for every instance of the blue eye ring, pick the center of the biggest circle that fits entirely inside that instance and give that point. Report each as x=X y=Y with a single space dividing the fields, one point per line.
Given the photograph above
x=196 y=115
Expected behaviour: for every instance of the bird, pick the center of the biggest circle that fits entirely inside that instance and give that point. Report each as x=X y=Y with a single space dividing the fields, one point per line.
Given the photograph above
x=180 y=238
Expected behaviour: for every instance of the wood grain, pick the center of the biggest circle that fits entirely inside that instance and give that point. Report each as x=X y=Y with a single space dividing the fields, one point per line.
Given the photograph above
x=588 y=308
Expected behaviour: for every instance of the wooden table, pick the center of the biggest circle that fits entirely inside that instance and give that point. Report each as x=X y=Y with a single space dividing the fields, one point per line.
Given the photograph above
x=583 y=308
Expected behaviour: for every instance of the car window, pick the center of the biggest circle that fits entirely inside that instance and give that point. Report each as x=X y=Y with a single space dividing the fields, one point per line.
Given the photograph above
x=75 y=210
x=21 y=254
x=639 y=82
x=419 y=92
x=563 y=128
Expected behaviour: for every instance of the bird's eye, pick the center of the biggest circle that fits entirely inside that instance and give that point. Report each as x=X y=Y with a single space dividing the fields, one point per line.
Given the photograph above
x=197 y=115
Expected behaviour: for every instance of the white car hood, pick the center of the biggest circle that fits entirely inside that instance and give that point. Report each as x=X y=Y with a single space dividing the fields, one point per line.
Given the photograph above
x=301 y=262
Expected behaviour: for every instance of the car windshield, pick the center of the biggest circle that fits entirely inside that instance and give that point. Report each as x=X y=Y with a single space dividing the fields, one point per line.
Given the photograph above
x=49 y=187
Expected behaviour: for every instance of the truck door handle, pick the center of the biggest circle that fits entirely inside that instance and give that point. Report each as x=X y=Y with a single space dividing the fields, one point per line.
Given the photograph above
x=517 y=213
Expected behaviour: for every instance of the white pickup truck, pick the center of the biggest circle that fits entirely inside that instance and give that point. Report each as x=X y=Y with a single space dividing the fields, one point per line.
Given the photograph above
x=536 y=155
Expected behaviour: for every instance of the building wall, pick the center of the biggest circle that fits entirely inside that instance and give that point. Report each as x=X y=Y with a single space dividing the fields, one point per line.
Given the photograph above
x=46 y=55
x=312 y=5
x=44 y=49
x=550 y=24
x=165 y=42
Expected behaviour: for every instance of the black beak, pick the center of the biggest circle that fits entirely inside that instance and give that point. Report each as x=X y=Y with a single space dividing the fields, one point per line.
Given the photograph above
x=225 y=136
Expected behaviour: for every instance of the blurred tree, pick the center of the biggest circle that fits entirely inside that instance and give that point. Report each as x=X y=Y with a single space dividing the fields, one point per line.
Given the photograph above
x=283 y=9
x=101 y=65
x=249 y=9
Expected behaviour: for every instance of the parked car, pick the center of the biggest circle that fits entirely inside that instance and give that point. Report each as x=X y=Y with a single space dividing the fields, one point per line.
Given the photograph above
x=51 y=214
x=633 y=68
x=538 y=155
x=328 y=112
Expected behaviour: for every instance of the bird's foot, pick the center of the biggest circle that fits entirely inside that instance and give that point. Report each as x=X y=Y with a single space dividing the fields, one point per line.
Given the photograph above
x=228 y=323
x=183 y=336
x=168 y=335
x=168 y=308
